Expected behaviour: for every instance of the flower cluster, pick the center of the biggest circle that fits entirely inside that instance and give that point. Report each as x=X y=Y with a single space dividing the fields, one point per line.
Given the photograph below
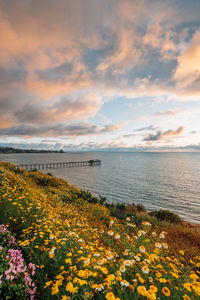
x=15 y=273
x=81 y=252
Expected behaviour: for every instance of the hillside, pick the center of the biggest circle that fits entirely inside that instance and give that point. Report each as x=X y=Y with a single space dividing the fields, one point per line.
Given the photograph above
x=58 y=242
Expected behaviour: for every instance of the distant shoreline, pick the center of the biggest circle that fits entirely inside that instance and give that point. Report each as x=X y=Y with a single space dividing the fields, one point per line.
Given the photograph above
x=10 y=150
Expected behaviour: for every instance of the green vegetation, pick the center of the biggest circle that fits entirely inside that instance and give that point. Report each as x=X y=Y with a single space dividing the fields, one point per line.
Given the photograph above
x=166 y=215
x=75 y=247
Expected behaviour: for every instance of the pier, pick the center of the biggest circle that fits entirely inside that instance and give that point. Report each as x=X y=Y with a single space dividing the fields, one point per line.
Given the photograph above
x=68 y=164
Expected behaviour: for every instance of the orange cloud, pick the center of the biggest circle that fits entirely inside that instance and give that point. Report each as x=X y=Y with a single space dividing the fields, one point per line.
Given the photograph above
x=126 y=54
x=60 y=60
x=187 y=74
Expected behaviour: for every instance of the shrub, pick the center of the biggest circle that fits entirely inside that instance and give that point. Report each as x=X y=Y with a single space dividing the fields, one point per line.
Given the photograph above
x=86 y=195
x=43 y=180
x=140 y=207
x=19 y=171
x=130 y=209
x=166 y=215
x=117 y=210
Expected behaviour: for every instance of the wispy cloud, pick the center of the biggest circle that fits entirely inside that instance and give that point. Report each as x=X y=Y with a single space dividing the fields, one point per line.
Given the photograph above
x=170 y=112
x=147 y=128
x=57 y=130
x=161 y=135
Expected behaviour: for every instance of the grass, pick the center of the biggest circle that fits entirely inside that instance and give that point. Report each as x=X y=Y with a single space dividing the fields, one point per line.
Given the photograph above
x=82 y=251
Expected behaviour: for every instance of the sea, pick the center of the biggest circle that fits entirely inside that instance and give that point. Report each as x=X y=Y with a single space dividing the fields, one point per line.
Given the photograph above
x=158 y=180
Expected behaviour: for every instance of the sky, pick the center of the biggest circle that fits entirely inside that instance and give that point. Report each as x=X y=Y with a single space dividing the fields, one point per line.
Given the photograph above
x=100 y=74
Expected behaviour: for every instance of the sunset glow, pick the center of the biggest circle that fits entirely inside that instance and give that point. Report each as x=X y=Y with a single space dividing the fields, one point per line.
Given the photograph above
x=89 y=75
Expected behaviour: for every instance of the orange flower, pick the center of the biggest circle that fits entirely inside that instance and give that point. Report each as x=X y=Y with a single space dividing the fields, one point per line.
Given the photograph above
x=166 y=292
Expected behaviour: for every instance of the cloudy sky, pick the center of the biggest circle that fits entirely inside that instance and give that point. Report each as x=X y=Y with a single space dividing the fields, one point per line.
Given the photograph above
x=100 y=74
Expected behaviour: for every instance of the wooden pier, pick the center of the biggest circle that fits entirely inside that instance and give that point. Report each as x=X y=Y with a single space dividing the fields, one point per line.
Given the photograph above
x=68 y=164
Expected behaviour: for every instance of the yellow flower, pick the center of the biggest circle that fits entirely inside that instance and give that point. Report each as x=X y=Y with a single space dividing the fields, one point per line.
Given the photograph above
x=82 y=282
x=181 y=252
x=158 y=274
x=55 y=290
x=186 y=297
x=194 y=276
x=187 y=286
x=150 y=295
x=197 y=290
x=104 y=270
x=110 y=296
x=142 y=290
x=110 y=277
x=118 y=278
x=118 y=273
x=47 y=284
x=131 y=288
x=174 y=275
x=70 y=288
x=140 y=278
x=151 y=257
x=166 y=292
x=162 y=280
x=81 y=273
x=68 y=261
x=153 y=288
x=25 y=243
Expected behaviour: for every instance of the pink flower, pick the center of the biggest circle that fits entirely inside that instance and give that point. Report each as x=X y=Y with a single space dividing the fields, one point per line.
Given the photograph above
x=17 y=268
x=31 y=267
x=3 y=228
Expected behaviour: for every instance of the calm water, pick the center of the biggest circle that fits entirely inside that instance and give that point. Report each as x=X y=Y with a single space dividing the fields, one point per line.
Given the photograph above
x=157 y=180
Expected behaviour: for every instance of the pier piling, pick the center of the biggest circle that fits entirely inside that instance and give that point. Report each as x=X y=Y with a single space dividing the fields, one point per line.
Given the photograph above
x=54 y=165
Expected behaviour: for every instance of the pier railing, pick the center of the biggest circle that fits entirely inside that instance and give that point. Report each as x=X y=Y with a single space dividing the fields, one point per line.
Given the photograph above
x=55 y=165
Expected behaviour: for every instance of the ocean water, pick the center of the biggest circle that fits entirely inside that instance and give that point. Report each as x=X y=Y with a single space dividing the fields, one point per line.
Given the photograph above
x=157 y=180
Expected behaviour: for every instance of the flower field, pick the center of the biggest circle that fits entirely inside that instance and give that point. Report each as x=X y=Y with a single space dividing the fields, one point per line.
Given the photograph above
x=74 y=249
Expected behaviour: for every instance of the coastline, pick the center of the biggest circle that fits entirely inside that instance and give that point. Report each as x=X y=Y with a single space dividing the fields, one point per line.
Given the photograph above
x=132 y=178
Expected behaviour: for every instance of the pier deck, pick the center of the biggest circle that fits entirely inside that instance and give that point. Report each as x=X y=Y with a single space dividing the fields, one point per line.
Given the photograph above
x=68 y=164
